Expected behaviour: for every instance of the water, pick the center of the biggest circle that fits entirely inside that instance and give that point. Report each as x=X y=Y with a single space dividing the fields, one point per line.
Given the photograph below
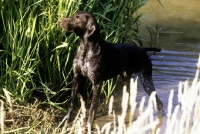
x=178 y=26
x=178 y=34
x=171 y=67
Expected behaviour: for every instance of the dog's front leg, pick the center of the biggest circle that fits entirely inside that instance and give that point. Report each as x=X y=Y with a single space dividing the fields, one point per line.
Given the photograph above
x=95 y=101
x=74 y=91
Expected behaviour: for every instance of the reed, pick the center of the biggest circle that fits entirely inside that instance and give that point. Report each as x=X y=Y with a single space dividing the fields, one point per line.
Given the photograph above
x=182 y=118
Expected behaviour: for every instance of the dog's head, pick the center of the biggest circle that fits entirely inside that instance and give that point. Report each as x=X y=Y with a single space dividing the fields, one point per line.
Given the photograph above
x=82 y=23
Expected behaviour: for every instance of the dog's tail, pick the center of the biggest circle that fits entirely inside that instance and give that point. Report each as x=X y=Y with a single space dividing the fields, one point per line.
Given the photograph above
x=154 y=49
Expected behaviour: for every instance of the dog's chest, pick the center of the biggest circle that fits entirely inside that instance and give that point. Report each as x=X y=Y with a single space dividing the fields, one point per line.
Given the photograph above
x=86 y=62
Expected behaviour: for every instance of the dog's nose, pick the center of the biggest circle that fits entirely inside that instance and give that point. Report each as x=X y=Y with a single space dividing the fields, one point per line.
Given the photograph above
x=60 y=21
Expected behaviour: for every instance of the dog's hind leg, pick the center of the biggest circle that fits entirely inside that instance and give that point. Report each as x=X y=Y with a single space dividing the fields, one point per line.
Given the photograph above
x=146 y=80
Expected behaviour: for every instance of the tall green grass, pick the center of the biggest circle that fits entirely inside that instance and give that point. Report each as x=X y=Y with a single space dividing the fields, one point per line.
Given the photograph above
x=36 y=55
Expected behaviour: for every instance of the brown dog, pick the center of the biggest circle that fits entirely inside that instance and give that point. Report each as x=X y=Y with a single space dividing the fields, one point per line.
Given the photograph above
x=99 y=60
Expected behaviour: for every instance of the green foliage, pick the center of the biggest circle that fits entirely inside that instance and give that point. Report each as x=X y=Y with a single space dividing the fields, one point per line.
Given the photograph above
x=35 y=54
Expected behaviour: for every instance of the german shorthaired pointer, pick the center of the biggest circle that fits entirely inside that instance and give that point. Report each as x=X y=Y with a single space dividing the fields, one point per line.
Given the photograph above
x=99 y=60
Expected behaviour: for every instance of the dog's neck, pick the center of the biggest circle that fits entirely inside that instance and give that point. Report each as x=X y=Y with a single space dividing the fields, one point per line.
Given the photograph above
x=92 y=44
x=93 y=40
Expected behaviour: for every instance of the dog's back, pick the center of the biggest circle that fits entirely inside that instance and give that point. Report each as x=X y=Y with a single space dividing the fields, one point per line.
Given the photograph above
x=120 y=57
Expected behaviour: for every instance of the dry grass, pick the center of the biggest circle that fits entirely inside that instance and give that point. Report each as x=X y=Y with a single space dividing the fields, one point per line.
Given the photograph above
x=28 y=118
x=184 y=119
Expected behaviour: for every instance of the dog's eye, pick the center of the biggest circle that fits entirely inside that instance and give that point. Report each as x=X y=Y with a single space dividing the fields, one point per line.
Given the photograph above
x=77 y=19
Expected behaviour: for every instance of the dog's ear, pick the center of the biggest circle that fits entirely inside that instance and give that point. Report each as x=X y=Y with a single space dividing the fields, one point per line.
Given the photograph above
x=91 y=27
